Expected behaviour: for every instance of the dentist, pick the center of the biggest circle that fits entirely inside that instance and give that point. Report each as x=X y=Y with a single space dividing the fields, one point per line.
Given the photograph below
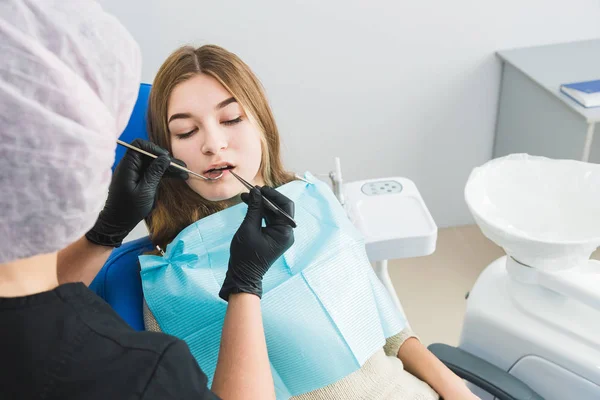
x=69 y=78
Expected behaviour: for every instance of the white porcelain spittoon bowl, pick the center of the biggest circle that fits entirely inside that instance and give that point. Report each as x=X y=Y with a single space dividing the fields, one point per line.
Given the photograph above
x=544 y=213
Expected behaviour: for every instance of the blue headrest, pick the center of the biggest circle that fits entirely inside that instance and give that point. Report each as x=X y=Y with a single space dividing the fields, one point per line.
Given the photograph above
x=136 y=127
x=119 y=282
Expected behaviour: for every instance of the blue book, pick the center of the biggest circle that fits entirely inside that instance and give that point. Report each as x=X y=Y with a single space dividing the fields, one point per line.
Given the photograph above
x=585 y=93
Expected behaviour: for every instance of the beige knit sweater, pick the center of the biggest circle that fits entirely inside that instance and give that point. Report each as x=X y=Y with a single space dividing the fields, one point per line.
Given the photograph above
x=382 y=377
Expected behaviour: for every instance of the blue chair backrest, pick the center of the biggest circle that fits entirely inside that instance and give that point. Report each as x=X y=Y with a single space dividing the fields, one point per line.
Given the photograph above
x=136 y=127
x=119 y=282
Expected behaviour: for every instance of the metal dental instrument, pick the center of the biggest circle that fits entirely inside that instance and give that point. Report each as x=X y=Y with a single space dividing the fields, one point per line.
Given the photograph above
x=266 y=201
x=122 y=143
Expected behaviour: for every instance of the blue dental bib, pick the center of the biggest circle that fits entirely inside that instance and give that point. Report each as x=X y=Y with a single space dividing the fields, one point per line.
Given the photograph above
x=324 y=310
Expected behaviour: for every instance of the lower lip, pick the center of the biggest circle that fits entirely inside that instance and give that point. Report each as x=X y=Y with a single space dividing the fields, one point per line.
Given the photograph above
x=215 y=174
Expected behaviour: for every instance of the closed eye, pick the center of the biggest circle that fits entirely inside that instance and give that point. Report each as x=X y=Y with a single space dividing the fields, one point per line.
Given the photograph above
x=187 y=134
x=233 y=121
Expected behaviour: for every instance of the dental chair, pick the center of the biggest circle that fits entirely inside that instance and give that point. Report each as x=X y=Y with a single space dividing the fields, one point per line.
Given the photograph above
x=119 y=282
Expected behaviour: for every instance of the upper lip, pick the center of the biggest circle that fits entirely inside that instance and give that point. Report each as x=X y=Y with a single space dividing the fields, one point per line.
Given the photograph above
x=218 y=165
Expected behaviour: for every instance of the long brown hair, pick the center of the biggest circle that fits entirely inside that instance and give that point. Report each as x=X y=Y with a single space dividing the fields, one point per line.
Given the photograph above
x=177 y=205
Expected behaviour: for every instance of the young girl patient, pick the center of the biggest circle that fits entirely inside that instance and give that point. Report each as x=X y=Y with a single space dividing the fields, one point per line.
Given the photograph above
x=332 y=331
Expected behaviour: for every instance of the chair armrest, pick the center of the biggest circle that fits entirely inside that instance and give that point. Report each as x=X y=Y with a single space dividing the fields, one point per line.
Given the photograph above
x=483 y=374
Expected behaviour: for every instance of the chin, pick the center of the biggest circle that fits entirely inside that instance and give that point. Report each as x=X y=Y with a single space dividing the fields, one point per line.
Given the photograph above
x=217 y=192
x=220 y=196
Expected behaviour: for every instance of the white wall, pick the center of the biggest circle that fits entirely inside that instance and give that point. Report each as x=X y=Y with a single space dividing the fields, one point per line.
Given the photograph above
x=404 y=88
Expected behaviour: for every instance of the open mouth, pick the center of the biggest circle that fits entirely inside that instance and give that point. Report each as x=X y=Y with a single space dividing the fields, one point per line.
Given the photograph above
x=216 y=171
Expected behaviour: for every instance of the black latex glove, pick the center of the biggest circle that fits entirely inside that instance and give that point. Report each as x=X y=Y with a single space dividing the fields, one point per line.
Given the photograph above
x=254 y=248
x=132 y=192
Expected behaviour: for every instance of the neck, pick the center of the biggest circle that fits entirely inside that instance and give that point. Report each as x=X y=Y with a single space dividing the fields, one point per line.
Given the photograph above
x=28 y=276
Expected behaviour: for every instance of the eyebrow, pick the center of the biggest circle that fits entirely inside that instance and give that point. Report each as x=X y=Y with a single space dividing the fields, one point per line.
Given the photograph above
x=179 y=116
x=219 y=106
x=225 y=103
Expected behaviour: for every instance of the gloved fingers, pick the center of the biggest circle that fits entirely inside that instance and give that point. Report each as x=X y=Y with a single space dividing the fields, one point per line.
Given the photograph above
x=254 y=215
x=173 y=172
x=156 y=170
x=275 y=217
x=245 y=197
x=279 y=200
x=281 y=234
x=153 y=148
x=133 y=164
x=131 y=167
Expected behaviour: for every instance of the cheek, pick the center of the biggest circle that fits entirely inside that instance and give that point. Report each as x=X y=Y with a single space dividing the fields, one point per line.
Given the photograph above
x=256 y=153
x=185 y=150
x=250 y=147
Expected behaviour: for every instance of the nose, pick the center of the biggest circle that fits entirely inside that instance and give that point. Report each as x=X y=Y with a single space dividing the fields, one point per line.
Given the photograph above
x=215 y=141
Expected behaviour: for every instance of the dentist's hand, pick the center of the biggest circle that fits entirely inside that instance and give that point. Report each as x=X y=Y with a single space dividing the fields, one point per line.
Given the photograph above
x=254 y=248
x=132 y=192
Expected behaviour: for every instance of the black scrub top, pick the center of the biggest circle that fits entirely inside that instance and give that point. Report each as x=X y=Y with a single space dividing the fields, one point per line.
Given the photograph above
x=69 y=344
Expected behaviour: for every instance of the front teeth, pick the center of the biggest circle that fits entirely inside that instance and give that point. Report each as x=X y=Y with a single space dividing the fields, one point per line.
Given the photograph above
x=220 y=168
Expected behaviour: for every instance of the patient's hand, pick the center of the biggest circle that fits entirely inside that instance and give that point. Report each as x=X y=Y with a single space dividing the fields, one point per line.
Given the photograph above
x=423 y=364
x=459 y=391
